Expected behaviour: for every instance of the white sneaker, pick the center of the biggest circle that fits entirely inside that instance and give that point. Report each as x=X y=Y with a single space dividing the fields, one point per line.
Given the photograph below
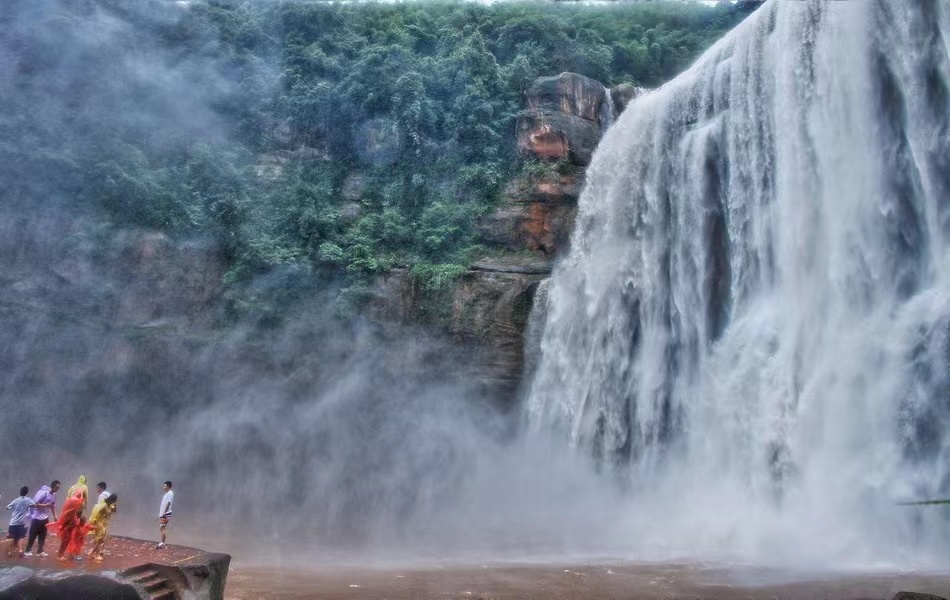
x=42 y=554
x=27 y=554
x=160 y=546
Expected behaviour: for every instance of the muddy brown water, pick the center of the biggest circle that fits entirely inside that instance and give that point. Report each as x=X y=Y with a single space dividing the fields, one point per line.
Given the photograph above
x=568 y=582
x=307 y=578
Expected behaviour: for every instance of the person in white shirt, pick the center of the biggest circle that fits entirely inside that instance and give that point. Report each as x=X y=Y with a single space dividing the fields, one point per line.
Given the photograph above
x=103 y=488
x=17 y=531
x=165 y=511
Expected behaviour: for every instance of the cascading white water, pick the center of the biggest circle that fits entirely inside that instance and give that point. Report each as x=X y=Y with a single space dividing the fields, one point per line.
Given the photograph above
x=753 y=324
x=607 y=116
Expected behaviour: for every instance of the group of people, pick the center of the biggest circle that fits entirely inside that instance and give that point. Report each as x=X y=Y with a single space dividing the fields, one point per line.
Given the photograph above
x=38 y=514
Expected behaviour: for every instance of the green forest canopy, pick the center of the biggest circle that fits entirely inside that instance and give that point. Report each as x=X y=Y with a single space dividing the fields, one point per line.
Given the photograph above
x=243 y=121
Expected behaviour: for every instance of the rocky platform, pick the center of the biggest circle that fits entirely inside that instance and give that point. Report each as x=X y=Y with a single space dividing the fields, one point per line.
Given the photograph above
x=132 y=570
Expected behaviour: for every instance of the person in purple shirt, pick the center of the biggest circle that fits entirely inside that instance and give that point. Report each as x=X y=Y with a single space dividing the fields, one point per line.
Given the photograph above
x=45 y=500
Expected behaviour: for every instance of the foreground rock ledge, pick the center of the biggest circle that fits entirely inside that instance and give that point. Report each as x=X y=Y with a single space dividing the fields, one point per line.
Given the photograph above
x=133 y=570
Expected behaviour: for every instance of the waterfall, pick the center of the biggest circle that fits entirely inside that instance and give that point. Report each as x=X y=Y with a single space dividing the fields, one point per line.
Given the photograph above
x=752 y=328
x=607 y=117
x=535 y=327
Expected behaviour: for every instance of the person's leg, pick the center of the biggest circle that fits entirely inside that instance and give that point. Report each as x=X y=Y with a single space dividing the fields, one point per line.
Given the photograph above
x=97 y=548
x=41 y=533
x=162 y=526
x=78 y=539
x=64 y=535
x=18 y=532
x=34 y=532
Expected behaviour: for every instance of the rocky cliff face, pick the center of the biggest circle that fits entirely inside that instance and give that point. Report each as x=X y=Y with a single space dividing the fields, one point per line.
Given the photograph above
x=564 y=119
x=167 y=282
x=131 y=278
x=144 y=281
x=486 y=311
x=537 y=214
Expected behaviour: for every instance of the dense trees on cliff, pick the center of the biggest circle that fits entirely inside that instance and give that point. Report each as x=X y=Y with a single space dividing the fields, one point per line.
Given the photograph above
x=353 y=137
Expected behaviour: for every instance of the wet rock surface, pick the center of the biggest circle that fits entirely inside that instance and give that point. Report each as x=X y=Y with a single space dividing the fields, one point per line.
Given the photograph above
x=564 y=118
x=557 y=135
x=487 y=314
x=569 y=93
x=132 y=569
x=537 y=214
x=916 y=596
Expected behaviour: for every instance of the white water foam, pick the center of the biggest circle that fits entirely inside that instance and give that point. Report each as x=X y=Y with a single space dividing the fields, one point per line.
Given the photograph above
x=752 y=328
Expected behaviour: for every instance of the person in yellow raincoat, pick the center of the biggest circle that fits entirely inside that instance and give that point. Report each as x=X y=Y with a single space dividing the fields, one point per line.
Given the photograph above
x=80 y=486
x=99 y=524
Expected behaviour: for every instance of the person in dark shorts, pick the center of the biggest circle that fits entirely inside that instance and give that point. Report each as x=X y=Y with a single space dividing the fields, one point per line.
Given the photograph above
x=17 y=531
x=165 y=512
x=44 y=507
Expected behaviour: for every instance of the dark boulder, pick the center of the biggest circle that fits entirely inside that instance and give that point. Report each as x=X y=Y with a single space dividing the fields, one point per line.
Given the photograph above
x=915 y=596
x=186 y=573
x=68 y=586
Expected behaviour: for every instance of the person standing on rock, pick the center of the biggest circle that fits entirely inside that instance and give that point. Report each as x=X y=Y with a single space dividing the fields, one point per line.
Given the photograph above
x=70 y=527
x=17 y=530
x=165 y=512
x=102 y=488
x=99 y=522
x=45 y=500
x=79 y=486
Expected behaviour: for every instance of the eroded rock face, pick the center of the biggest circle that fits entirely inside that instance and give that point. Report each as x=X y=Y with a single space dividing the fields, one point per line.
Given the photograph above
x=537 y=214
x=166 y=281
x=568 y=93
x=562 y=123
x=564 y=118
x=125 y=278
x=489 y=309
x=557 y=135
